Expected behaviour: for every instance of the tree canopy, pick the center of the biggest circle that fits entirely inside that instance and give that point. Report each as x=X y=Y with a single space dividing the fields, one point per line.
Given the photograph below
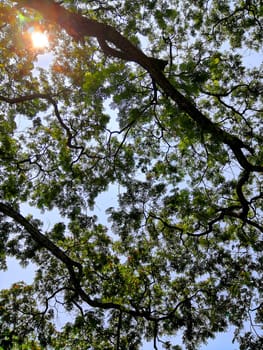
x=162 y=102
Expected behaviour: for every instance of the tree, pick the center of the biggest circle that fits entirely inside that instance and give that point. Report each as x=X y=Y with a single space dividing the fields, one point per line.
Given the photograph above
x=182 y=142
x=21 y=321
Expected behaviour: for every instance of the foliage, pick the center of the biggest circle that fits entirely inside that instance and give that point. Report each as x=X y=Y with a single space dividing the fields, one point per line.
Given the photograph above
x=21 y=321
x=175 y=132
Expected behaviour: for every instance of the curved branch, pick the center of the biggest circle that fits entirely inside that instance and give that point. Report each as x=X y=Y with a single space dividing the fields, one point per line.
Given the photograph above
x=25 y=98
x=51 y=100
x=71 y=265
x=40 y=238
x=78 y=27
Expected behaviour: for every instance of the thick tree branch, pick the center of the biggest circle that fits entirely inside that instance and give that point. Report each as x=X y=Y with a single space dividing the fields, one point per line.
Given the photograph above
x=71 y=265
x=25 y=98
x=39 y=237
x=79 y=27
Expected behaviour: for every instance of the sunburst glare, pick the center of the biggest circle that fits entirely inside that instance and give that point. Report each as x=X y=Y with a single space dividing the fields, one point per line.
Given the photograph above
x=39 y=39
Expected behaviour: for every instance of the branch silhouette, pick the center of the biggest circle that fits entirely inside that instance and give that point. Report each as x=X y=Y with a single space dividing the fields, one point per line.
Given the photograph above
x=115 y=44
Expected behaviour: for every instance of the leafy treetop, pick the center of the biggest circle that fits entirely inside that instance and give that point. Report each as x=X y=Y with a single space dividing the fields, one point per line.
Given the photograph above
x=181 y=141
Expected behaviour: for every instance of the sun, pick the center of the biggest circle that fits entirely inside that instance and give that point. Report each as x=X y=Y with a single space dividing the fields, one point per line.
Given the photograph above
x=39 y=39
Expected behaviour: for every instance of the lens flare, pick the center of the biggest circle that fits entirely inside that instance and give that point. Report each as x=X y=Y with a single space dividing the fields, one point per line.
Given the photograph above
x=39 y=39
